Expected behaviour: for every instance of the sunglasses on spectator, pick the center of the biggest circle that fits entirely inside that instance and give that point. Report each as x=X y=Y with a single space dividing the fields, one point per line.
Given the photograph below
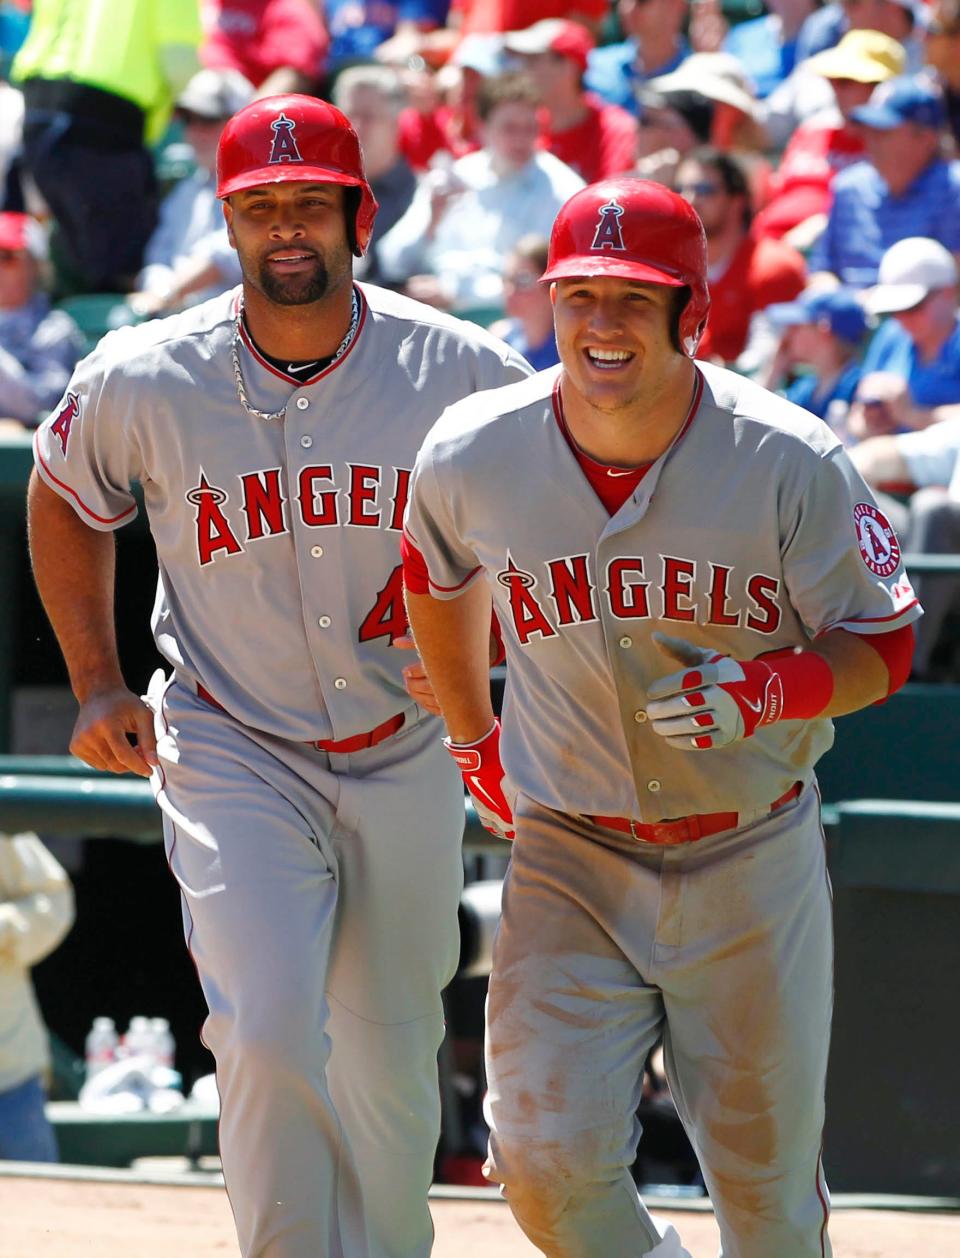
x=9 y=256
x=935 y=26
x=702 y=188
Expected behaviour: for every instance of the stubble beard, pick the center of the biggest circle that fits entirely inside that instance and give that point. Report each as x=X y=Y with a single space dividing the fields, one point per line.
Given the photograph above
x=328 y=275
x=294 y=290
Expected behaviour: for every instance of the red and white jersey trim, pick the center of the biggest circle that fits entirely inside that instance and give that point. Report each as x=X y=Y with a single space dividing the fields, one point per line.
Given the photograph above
x=56 y=483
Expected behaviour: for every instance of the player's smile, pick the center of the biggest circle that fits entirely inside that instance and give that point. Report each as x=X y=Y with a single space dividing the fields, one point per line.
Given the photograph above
x=291 y=262
x=607 y=359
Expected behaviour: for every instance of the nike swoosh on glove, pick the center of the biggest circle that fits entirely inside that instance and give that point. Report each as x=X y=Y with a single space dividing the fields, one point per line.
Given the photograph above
x=483 y=777
x=715 y=700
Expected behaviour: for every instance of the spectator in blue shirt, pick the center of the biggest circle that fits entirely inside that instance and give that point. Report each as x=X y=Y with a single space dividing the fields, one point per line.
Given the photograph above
x=38 y=346
x=911 y=370
x=821 y=332
x=903 y=188
x=654 y=45
x=766 y=46
x=358 y=27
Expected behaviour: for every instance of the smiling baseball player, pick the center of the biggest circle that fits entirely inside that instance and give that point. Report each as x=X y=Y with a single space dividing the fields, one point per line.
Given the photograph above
x=311 y=816
x=691 y=580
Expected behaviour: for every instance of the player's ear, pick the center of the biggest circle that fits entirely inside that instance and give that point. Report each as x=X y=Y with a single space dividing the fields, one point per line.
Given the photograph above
x=553 y=294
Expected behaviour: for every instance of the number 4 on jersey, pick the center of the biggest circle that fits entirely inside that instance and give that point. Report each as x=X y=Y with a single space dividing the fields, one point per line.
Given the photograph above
x=387 y=618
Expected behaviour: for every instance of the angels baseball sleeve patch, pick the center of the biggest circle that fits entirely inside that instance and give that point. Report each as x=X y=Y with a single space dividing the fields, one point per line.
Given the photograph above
x=879 y=547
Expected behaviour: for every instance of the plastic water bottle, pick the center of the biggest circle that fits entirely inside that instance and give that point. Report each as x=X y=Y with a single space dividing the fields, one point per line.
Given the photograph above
x=138 y=1040
x=101 y=1045
x=164 y=1046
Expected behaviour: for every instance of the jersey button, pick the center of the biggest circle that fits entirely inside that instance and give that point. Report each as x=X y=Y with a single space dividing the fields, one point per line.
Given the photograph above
x=306 y=442
x=317 y=552
x=302 y=403
x=653 y=785
x=324 y=622
x=640 y=716
x=340 y=683
x=625 y=641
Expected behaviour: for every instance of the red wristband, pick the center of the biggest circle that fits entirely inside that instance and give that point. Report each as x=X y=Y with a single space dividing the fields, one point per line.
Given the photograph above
x=806 y=684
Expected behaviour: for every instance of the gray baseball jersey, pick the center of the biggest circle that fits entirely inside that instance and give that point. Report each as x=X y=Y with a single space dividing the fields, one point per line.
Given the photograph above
x=752 y=532
x=255 y=519
x=319 y=894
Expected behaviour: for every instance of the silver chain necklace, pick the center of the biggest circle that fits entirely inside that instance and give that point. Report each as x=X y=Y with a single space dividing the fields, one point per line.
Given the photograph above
x=238 y=374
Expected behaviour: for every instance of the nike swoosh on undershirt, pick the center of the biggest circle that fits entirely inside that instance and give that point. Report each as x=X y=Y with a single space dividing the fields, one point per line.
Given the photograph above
x=611 y=472
x=294 y=369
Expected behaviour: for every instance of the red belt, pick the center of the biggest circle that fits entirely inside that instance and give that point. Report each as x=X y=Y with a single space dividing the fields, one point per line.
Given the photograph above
x=686 y=829
x=342 y=746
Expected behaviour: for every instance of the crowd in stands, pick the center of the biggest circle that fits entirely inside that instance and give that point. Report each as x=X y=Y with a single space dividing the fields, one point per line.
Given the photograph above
x=817 y=141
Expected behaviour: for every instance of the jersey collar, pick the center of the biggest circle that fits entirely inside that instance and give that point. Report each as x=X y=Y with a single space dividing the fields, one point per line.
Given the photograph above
x=296 y=380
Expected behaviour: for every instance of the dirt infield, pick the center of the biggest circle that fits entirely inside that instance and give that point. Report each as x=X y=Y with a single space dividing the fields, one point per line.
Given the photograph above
x=69 y=1219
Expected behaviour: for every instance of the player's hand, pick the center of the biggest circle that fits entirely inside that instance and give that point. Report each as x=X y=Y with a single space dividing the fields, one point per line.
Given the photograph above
x=146 y=305
x=114 y=732
x=415 y=677
x=483 y=777
x=882 y=405
x=714 y=700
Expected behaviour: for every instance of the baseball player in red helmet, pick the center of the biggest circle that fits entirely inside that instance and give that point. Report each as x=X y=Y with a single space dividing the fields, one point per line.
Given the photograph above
x=311 y=816
x=692 y=580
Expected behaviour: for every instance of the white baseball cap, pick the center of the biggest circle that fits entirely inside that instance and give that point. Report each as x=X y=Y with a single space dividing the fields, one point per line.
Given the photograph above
x=909 y=270
x=718 y=76
x=216 y=94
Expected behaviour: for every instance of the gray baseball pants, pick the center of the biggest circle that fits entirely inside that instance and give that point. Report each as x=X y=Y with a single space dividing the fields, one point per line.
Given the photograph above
x=320 y=897
x=724 y=947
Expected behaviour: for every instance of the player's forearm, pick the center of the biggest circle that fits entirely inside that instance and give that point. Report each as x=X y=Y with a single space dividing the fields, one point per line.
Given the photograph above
x=453 y=640
x=859 y=674
x=73 y=566
x=940 y=414
x=879 y=461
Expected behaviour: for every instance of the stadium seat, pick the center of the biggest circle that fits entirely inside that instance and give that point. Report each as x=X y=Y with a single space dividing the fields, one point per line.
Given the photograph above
x=96 y=314
x=902 y=749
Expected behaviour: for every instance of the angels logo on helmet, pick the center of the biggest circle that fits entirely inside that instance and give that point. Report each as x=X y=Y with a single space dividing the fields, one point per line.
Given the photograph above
x=284 y=147
x=609 y=233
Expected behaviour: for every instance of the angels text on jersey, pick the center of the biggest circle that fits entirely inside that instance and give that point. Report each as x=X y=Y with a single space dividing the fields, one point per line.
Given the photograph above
x=359 y=495
x=638 y=587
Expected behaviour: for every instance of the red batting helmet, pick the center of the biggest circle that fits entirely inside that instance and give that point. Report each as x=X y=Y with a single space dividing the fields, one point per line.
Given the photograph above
x=295 y=139
x=638 y=230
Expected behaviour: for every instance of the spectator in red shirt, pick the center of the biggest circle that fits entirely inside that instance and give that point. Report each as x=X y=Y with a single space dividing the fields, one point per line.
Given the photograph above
x=595 y=139
x=494 y=17
x=441 y=115
x=745 y=274
x=517 y=15
x=279 y=45
x=799 y=189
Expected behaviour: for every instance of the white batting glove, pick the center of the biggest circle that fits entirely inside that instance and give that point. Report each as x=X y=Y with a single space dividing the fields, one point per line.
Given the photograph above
x=714 y=700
